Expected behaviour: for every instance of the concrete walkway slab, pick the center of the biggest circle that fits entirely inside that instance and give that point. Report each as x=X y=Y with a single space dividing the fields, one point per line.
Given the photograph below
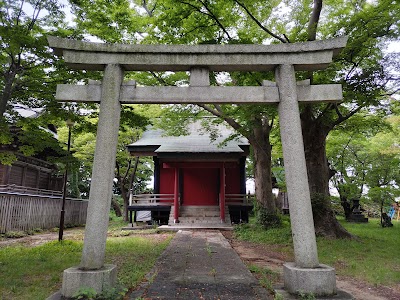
x=200 y=265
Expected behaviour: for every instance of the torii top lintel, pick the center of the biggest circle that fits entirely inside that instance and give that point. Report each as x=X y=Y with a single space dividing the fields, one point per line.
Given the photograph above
x=305 y=56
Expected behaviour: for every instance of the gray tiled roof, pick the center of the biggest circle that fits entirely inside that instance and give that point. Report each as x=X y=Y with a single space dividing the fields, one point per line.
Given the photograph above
x=197 y=141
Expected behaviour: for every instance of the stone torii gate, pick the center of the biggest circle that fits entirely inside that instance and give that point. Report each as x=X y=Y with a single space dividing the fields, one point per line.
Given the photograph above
x=306 y=274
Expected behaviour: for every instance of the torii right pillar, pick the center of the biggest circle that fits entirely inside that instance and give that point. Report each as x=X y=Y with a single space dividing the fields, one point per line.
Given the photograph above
x=306 y=274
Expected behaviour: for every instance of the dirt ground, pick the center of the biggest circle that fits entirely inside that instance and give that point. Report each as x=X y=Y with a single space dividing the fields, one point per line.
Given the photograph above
x=75 y=234
x=271 y=258
x=39 y=239
x=261 y=255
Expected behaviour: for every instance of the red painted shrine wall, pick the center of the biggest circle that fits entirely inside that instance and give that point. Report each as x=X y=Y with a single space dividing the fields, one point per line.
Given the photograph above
x=167 y=179
x=200 y=186
x=232 y=180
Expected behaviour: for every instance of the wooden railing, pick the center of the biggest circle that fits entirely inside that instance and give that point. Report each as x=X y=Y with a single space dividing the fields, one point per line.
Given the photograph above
x=151 y=199
x=168 y=199
x=12 y=188
x=239 y=199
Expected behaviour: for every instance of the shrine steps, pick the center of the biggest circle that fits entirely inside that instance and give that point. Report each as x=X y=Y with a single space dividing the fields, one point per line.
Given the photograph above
x=199 y=216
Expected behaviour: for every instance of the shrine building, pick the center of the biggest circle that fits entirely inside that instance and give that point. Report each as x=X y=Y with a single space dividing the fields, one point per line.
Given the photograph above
x=197 y=181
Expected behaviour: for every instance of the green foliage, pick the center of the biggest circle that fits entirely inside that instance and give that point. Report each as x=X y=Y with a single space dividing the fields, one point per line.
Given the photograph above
x=278 y=296
x=257 y=233
x=320 y=204
x=266 y=219
x=14 y=234
x=365 y=156
x=34 y=231
x=134 y=119
x=306 y=296
x=85 y=293
x=116 y=293
x=7 y=158
x=30 y=70
x=265 y=276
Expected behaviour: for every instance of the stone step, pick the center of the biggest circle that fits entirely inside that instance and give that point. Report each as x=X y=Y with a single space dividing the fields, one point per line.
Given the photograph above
x=200 y=214
x=205 y=215
x=202 y=219
x=199 y=208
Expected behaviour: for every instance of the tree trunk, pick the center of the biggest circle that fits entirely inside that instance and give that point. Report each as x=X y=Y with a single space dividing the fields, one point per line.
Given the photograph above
x=125 y=197
x=7 y=91
x=266 y=211
x=125 y=193
x=262 y=169
x=314 y=135
x=346 y=206
x=115 y=207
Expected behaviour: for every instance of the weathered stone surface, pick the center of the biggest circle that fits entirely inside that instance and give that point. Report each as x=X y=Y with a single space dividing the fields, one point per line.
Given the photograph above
x=199 y=94
x=103 y=170
x=75 y=279
x=95 y=56
x=305 y=246
x=319 y=281
x=199 y=77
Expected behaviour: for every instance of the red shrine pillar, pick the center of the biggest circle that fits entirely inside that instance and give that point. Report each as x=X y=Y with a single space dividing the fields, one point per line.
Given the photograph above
x=222 y=193
x=176 y=196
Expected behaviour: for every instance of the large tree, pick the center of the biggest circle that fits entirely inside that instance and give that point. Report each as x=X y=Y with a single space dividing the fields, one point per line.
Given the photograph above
x=363 y=71
x=29 y=70
x=29 y=73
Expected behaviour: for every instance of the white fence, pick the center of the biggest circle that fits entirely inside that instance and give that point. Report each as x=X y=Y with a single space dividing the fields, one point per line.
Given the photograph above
x=22 y=212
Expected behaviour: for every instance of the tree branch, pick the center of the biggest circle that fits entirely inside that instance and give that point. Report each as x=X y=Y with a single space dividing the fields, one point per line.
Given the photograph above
x=286 y=40
x=160 y=79
x=342 y=118
x=327 y=107
x=314 y=19
x=133 y=175
x=118 y=171
x=218 y=112
x=127 y=170
x=216 y=20
x=210 y=14
x=19 y=13
x=149 y=11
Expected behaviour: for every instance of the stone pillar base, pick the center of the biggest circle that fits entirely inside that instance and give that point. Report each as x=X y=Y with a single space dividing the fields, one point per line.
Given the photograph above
x=75 y=278
x=320 y=281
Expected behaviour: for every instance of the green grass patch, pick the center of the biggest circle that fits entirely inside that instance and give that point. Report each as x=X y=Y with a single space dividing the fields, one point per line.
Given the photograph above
x=36 y=272
x=265 y=276
x=281 y=236
x=372 y=258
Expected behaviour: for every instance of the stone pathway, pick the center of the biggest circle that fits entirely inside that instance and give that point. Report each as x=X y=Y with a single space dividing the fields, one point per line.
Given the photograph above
x=200 y=265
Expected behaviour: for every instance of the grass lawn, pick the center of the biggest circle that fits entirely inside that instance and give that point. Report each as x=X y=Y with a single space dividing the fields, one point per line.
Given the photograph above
x=35 y=272
x=374 y=258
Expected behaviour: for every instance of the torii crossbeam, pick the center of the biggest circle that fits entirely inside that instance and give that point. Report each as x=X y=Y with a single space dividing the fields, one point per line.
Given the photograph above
x=306 y=274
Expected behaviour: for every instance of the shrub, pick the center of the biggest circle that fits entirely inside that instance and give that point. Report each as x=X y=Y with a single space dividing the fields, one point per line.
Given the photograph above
x=14 y=234
x=265 y=218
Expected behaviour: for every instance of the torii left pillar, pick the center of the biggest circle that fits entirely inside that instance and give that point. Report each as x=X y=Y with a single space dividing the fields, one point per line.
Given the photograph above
x=92 y=272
